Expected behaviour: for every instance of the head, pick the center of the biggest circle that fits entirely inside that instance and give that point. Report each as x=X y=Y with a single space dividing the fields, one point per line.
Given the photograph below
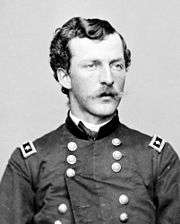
x=81 y=37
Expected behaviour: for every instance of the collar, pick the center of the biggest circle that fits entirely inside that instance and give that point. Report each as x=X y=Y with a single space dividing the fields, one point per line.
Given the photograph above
x=92 y=127
x=104 y=130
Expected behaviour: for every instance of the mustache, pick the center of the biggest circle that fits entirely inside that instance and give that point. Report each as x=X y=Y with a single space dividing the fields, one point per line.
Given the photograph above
x=109 y=92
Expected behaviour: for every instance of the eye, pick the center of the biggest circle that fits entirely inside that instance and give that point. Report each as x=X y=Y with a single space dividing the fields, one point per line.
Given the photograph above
x=91 y=66
x=118 y=66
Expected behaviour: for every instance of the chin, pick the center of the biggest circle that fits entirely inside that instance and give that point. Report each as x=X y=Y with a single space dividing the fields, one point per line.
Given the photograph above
x=105 y=110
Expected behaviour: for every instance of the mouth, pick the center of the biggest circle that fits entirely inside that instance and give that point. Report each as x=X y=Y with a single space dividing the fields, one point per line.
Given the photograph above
x=107 y=95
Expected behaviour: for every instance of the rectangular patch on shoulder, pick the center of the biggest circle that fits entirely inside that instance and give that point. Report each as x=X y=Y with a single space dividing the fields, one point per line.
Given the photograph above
x=28 y=149
x=157 y=143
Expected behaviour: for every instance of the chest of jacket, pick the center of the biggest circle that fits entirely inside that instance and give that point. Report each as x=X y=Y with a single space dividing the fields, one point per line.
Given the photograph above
x=96 y=182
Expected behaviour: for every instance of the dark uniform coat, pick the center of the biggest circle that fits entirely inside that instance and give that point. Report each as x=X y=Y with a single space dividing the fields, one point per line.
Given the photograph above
x=69 y=177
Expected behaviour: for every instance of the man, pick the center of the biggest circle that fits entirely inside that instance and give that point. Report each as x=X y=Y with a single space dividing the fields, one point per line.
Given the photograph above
x=92 y=169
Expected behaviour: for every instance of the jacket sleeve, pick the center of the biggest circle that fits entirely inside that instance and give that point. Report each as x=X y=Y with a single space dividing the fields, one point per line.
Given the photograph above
x=168 y=187
x=16 y=193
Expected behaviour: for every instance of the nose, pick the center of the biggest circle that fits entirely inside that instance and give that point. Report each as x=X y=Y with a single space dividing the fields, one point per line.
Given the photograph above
x=106 y=77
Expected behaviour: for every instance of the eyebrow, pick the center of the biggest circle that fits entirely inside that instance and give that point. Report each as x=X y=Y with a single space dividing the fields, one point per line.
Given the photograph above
x=117 y=60
x=98 y=60
x=90 y=61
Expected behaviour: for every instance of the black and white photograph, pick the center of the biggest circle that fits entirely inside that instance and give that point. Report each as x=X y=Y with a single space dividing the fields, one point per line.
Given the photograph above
x=90 y=112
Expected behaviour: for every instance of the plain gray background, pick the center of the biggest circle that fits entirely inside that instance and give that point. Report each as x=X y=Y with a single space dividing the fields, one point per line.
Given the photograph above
x=31 y=100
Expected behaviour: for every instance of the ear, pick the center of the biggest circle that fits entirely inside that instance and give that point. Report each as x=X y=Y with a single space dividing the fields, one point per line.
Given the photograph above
x=64 y=78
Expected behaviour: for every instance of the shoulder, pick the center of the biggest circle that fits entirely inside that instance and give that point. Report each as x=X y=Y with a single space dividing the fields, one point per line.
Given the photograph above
x=150 y=151
x=27 y=157
x=145 y=142
x=38 y=147
x=134 y=138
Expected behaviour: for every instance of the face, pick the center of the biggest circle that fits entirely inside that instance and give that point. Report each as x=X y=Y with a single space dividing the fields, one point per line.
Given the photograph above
x=97 y=77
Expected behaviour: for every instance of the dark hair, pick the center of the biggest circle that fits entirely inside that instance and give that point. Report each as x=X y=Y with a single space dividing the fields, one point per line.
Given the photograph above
x=94 y=29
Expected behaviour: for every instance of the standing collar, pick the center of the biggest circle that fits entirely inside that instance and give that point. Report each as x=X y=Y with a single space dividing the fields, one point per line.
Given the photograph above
x=104 y=130
x=90 y=126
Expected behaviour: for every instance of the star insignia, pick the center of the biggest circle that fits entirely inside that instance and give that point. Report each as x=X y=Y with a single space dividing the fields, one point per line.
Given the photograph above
x=28 y=149
x=157 y=143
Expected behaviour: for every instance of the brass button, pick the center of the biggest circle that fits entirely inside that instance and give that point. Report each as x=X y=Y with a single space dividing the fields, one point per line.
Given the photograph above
x=72 y=146
x=70 y=172
x=123 y=217
x=57 y=222
x=71 y=159
x=62 y=208
x=123 y=199
x=117 y=155
x=116 y=141
x=116 y=167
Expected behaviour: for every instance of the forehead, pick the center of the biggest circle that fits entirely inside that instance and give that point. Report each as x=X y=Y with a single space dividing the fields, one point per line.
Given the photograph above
x=84 y=48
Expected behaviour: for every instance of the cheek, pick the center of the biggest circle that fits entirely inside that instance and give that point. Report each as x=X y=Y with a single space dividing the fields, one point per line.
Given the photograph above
x=80 y=86
x=120 y=82
x=83 y=81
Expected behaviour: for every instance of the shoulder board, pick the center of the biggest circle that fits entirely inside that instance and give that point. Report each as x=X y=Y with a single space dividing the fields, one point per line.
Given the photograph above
x=28 y=149
x=157 y=143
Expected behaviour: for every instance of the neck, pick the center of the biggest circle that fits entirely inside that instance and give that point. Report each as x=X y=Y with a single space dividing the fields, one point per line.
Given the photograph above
x=91 y=118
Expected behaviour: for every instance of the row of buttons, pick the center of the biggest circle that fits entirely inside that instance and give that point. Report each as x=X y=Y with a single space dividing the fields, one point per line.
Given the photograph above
x=116 y=167
x=117 y=155
x=71 y=159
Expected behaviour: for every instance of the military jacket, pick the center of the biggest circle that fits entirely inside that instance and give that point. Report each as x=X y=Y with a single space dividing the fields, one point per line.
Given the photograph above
x=69 y=177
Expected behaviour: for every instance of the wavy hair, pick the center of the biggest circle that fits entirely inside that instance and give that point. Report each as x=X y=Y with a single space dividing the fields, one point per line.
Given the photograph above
x=94 y=29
